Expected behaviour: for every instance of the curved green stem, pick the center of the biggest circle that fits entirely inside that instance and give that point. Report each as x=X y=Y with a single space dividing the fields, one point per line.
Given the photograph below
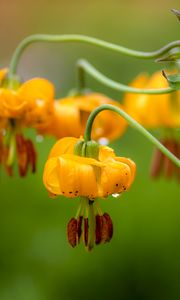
x=87 y=40
x=85 y=66
x=134 y=124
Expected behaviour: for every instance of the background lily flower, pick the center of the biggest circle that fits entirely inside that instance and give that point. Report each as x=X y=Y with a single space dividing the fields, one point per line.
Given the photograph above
x=157 y=111
x=27 y=104
x=71 y=114
x=154 y=111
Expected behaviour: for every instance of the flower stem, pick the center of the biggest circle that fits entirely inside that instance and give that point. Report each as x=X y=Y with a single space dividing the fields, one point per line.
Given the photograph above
x=91 y=237
x=134 y=124
x=87 y=40
x=85 y=66
x=12 y=148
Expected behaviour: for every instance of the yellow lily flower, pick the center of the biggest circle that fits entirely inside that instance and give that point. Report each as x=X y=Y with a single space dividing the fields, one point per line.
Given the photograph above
x=71 y=175
x=153 y=111
x=38 y=93
x=27 y=104
x=71 y=114
x=157 y=111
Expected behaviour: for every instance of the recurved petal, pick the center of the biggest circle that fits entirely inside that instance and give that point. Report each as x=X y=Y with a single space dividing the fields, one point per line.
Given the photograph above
x=37 y=89
x=115 y=178
x=105 y=153
x=64 y=145
x=51 y=177
x=77 y=177
x=12 y=106
x=131 y=165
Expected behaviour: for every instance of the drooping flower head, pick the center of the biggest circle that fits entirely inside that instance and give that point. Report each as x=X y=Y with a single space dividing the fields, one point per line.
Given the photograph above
x=71 y=114
x=19 y=107
x=76 y=168
x=157 y=111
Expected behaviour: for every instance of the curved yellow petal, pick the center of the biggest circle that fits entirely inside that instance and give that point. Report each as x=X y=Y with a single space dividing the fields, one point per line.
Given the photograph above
x=11 y=105
x=50 y=176
x=106 y=152
x=107 y=124
x=115 y=178
x=39 y=95
x=76 y=178
x=66 y=120
x=131 y=165
x=64 y=145
x=37 y=89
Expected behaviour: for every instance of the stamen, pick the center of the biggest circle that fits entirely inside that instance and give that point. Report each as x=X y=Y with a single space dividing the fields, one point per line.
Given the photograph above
x=31 y=153
x=72 y=232
x=22 y=155
x=79 y=228
x=107 y=229
x=86 y=231
x=99 y=225
x=157 y=162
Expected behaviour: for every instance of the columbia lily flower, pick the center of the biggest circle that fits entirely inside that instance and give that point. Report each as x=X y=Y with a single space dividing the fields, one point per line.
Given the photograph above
x=20 y=103
x=157 y=111
x=71 y=114
x=154 y=111
x=84 y=169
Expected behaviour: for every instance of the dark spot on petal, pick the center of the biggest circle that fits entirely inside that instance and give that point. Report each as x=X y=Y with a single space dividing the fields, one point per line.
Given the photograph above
x=117 y=184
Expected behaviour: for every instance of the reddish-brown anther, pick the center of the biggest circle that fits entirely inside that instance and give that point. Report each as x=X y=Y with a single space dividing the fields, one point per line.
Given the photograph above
x=79 y=228
x=99 y=225
x=9 y=169
x=22 y=155
x=161 y=164
x=31 y=153
x=157 y=163
x=107 y=228
x=86 y=231
x=26 y=155
x=72 y=232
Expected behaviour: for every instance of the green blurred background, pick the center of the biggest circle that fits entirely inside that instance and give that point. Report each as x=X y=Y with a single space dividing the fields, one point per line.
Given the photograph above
x=143 y=259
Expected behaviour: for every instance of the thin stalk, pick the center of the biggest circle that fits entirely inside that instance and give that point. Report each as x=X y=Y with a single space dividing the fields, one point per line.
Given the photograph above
x=85 y=66
x=134 y=124
x=86 y=40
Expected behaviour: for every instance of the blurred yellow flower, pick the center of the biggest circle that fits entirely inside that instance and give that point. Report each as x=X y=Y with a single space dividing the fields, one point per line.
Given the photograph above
x=157 y=111
x=27 y=104
x=153 y=111
x=71 y=114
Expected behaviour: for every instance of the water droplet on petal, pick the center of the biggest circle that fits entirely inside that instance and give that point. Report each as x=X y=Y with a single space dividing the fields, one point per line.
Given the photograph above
x=39 y=138
x=103 y=141
x=116 y=195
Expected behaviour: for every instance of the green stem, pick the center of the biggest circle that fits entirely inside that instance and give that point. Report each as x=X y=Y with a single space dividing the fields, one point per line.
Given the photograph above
x=91 y=237
x=87 y=40
x=85 y=66
x=134 y=124
x=12 y=149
